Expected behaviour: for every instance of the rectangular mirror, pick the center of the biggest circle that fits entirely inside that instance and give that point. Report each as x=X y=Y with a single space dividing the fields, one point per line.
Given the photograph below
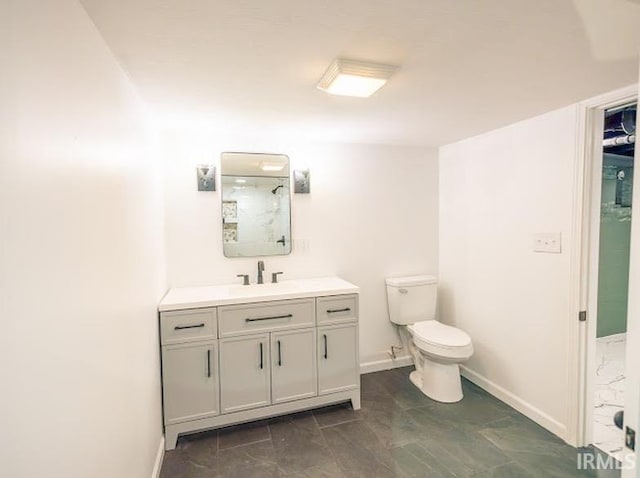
x=256 y=207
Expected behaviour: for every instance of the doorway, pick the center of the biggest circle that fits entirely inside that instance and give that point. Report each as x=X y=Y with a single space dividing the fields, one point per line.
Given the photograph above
x=614 y=241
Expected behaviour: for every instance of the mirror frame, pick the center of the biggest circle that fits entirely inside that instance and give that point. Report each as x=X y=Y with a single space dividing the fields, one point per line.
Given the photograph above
x=222 y=200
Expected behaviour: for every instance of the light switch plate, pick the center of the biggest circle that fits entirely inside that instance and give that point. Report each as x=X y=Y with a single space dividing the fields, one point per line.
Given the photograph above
x=549 y=242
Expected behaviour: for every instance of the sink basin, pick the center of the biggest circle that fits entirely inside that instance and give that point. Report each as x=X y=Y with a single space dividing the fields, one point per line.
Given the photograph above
x=210 y=296
x=253 y=290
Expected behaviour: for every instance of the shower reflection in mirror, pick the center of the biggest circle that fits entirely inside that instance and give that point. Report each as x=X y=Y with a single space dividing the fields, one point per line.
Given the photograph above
x=256 y=209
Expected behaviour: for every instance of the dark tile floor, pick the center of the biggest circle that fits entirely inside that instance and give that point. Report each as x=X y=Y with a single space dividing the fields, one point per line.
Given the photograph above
x=398 y=433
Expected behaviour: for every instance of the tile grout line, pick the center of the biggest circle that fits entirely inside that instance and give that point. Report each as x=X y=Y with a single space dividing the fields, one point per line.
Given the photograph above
x=326 y=444
x=247 y=444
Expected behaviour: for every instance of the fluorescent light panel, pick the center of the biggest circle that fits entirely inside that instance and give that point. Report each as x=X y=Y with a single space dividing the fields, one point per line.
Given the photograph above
x=272 y=166
x=355 y=78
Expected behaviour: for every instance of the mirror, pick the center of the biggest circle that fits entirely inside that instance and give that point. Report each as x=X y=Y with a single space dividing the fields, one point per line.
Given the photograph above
x=256 y=207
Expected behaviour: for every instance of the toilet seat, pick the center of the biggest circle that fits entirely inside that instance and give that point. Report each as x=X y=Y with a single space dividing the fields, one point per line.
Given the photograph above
x=436 y=338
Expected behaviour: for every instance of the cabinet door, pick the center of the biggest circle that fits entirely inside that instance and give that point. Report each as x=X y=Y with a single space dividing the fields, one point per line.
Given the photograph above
x=189 y=381
x=338 y=367
x=244 y=373
x=293 y=365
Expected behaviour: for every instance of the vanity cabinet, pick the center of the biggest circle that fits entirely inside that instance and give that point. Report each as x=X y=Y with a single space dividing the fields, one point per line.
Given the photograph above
x=259 y=370
x=293 y=365
x=337 y=358
x=244 y=373
x=190 y=381
x=232 y=361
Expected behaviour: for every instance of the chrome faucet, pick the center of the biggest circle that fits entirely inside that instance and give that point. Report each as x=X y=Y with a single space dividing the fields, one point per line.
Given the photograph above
x=260 y=269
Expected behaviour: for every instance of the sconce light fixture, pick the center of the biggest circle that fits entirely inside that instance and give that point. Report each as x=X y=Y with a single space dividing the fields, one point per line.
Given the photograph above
x=206 y=174
x=355 y=78
x=301 y=181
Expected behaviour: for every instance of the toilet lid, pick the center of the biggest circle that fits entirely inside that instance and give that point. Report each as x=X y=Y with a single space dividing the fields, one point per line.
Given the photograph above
x=434 y=332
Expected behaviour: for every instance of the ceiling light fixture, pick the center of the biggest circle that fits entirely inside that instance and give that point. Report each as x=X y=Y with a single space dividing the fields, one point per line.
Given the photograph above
x=355 y=78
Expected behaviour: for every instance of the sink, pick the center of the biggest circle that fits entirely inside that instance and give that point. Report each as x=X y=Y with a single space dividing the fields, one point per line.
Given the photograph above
x=211 y=296
x=284 y=287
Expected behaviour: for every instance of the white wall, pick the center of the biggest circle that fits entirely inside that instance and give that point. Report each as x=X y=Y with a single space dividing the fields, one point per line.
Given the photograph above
x=496 y=191
x=372 y=213
x=80 y=253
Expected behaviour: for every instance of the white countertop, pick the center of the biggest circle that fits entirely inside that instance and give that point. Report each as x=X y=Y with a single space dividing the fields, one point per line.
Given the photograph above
x=210 y=296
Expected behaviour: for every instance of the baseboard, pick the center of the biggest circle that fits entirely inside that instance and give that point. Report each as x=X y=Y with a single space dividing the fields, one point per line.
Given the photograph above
x=159 y=458
x=516 y=402
x=385 y=364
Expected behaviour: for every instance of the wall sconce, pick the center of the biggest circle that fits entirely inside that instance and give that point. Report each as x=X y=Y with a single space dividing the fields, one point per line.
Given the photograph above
x=301 y=181
x=206 y=174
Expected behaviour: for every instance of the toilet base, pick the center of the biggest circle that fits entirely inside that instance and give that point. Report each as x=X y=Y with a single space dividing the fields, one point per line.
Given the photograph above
x=438 y=381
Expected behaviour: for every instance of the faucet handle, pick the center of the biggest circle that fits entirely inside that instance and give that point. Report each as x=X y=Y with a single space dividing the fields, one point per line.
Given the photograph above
x=245 y=278
x=274 y=277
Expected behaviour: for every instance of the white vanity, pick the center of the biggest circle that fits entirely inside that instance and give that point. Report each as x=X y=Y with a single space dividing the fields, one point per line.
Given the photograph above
x=233 y=354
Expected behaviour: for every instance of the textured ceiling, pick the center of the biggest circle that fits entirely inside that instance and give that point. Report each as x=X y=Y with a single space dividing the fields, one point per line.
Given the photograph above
x=467 y=66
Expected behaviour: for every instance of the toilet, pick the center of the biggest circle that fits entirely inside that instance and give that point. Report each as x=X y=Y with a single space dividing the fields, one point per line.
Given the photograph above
x=437 y=349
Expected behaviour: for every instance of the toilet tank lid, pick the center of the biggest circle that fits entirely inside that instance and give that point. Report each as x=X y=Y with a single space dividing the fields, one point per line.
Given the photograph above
x=411 y=280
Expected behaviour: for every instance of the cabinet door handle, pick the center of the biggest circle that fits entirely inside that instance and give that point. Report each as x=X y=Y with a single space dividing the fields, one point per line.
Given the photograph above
x=324 y=336
x=279 y=354
x=288 y=316
x=335 y=311
x=182 y=327
x=261 y=357
x=209 y=363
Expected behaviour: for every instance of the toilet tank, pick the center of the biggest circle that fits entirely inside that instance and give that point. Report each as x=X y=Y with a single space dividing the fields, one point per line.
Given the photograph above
x=412 y=299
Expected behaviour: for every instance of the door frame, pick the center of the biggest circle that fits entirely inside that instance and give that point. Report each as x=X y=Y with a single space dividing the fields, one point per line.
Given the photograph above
x=584 y=260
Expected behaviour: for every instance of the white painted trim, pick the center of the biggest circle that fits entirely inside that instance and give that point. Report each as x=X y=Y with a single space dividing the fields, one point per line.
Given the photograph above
x=535 y=414
x=577 y=302
x=613 y=98
x=157 y=467
x=584 y=262
x=385 y=364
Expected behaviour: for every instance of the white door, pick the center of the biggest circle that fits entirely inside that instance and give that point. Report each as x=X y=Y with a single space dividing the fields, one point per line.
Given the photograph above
x=244 y=373
x=293 y=365
x=632 y=391
x=337 y=358
x=190 y=381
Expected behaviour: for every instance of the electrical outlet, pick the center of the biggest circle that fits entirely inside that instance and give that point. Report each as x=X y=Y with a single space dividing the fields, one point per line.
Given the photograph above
x=549 y=242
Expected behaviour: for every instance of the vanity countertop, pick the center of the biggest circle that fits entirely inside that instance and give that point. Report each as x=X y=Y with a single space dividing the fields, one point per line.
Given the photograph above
x=181 y=298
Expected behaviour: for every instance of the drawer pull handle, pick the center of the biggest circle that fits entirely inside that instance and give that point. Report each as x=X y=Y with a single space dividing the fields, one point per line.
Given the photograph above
x=209 y=363
x=335 y=311
x=288 y=316
x=279 y=354
x=261 y=357
x=325 y=345
x=182 y=327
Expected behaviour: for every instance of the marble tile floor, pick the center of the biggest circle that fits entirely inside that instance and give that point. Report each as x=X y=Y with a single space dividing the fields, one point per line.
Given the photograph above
x=609 y=393
x=398 y=433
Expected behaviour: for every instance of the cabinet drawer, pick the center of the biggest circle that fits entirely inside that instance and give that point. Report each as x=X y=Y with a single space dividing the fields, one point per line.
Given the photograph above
x=264 y=317
x=337 y=308
x=188 y=325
